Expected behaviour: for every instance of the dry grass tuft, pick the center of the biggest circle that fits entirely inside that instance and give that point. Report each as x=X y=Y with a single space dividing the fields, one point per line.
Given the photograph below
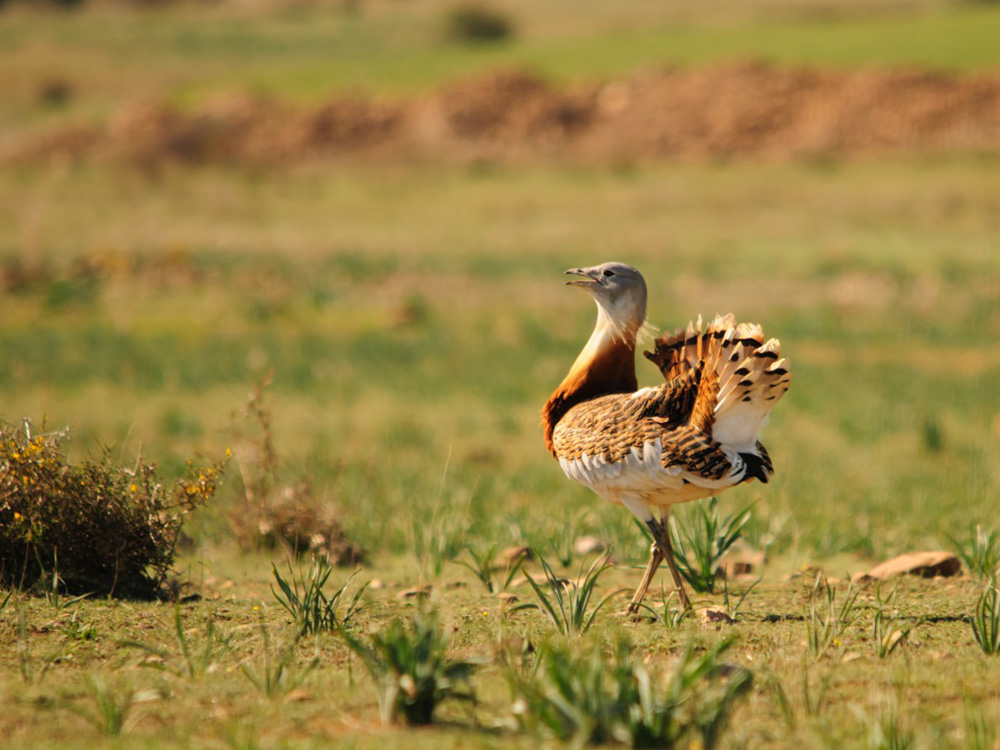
x=290 y=516
x=297 y=521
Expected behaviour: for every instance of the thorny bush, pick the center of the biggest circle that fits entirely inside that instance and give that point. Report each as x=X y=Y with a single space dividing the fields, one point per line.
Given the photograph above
x=95 y=527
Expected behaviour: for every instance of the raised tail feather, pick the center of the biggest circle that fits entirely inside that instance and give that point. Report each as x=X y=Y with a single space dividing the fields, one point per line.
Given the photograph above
x=743 y=376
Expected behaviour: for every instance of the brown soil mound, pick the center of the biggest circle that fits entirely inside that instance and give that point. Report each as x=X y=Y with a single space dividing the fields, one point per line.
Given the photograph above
x=734 y=110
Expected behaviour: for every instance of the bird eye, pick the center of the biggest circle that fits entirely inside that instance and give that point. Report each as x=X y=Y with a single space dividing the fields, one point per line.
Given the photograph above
x=608 y=272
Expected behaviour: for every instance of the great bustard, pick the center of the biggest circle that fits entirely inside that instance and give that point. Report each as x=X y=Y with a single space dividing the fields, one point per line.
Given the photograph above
x=689 y=438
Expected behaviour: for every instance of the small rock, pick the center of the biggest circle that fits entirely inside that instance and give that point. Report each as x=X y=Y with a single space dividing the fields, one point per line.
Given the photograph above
x=417 y=592
x=709 y=616
x=376 y=584
x=923 y=564
x=510 y=556
x=148 y=696
x=744 y=561
x=586 y=545
x=731 y=569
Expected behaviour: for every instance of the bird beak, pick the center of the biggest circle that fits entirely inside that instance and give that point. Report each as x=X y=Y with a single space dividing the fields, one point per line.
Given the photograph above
x=589 y=273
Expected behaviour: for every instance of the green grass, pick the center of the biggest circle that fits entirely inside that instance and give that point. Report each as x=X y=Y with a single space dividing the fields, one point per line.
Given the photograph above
x=416 y=319
x=422 y=315
x=310 y=691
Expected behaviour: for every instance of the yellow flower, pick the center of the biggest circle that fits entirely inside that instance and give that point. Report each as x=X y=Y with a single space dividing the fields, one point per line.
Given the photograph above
x=132 y=488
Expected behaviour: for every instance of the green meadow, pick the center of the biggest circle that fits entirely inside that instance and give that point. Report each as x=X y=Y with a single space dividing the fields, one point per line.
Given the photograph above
x=415 y=320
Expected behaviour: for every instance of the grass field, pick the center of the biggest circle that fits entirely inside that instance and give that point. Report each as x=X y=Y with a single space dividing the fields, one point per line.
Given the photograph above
x=415 y=319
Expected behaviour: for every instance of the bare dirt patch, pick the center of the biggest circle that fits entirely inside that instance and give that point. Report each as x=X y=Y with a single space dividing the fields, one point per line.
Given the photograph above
x=723 y=111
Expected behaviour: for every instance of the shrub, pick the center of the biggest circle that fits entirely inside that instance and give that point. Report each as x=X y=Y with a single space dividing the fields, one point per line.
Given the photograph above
x=980 y=552
x=191 y=664
x=886 y=637
x=476 y=24
x=95 y=527
x=483 y=565
x=111 y=709
x=590 y=698
x=567 y=607
x=278 y=674
x=986 y=620
x=827 y=621
x=410 y=665
x=305 y=599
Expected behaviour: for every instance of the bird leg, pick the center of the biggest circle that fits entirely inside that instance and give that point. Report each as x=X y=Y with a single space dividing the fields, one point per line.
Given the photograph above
x=661 y=532
x=655 y=558
x=660 y=551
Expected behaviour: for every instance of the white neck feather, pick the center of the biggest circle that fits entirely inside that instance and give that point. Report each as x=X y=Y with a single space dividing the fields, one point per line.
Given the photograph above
x=617 y=323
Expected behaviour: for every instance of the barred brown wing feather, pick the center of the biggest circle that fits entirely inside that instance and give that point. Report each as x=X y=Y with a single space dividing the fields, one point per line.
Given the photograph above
x=611 y=426
x=744 y=376
x=696 y=453
x=685 y=348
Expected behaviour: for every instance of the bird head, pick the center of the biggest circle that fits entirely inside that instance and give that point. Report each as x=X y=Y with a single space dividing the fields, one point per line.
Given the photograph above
x=619 y=291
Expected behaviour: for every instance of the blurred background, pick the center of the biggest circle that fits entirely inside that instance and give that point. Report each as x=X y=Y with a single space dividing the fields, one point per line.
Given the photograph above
x=331 y=236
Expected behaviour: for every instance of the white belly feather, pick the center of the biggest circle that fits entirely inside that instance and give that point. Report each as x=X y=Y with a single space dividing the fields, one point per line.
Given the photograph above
x=642 y=474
